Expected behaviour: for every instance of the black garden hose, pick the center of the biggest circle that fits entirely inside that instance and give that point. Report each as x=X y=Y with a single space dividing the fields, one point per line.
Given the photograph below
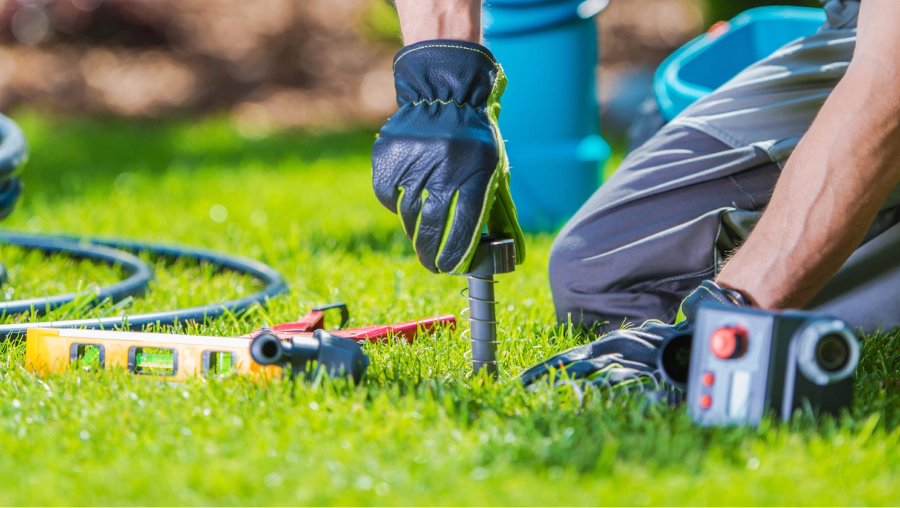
x=273 y=283
x=140 y=273
x=13 y=153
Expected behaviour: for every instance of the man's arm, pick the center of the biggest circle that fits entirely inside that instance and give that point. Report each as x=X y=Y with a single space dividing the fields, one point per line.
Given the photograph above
x=836 y=180
x=422 y=20
x=439 y=162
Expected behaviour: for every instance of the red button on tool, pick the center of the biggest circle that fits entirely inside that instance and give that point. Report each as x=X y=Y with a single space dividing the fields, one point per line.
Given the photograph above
x=708 y=378
x=705 y=401
x=728 y=342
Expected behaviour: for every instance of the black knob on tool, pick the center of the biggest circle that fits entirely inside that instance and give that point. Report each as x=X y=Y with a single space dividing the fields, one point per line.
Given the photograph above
x=337 y=355
x=674 y=359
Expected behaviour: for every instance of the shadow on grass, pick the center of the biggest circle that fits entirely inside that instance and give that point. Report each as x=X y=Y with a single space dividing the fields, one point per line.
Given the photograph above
x=379 y=240
x=69 y=154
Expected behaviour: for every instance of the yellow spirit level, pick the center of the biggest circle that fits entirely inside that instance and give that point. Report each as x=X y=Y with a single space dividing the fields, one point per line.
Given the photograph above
x=173 y=357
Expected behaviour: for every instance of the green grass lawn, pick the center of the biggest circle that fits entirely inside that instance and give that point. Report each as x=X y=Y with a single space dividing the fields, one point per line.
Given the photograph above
x=419 y=430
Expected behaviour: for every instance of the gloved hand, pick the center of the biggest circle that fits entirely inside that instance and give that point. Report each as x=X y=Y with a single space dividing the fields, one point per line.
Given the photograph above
x=439 y=161
x=626 y=354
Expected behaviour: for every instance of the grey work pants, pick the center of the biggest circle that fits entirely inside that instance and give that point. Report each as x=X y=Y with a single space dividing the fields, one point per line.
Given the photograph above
x=681 y=201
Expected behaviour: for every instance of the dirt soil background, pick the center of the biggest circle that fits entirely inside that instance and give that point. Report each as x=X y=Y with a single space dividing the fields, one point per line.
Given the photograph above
x=270 y=64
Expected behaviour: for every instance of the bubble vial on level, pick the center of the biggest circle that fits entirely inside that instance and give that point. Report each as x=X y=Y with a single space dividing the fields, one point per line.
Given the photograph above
x=88 y=357
x=153 y=361
x=218 y=363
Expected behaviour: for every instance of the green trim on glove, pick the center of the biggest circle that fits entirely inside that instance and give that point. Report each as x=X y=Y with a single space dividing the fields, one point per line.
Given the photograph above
x=498 y=214
x=451 y=214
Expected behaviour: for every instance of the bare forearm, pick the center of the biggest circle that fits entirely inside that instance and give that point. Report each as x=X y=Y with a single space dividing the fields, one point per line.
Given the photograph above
x=422 y=20
x=829 y=192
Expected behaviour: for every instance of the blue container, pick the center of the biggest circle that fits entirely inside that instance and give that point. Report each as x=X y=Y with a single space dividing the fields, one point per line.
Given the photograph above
x=710 y=60
x=550 y=119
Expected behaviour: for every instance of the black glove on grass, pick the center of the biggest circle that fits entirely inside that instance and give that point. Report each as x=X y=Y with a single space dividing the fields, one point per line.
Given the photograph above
x=629 y=354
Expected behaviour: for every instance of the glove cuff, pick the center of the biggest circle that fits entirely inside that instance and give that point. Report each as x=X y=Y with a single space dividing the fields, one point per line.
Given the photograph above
x=709 y=292
x=738 y=298
x=448 y=71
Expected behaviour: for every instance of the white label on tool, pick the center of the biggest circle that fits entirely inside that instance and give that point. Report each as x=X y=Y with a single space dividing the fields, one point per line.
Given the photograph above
x=739 y=399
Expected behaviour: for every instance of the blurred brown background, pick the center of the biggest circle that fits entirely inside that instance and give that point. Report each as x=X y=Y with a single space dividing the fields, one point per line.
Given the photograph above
x=269 y=63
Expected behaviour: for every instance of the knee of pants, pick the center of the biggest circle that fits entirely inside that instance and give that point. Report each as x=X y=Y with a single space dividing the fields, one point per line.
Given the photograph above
x=560 y=266
x=604 y=293
x=600 y=284
x=577 y=284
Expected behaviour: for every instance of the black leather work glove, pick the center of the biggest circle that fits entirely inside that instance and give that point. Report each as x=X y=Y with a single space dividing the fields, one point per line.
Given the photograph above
x=439 y=161
x=629 y=354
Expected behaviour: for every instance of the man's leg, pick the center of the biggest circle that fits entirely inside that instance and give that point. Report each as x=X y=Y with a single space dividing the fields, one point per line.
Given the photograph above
x=686 y=197
x=649 y=235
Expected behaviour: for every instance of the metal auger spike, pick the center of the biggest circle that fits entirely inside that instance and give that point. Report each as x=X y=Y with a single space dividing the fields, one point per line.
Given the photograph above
x=492 y=256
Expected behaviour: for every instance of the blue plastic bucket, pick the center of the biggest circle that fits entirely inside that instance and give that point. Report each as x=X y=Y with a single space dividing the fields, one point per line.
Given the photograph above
x=550 y=119
x=710 y=60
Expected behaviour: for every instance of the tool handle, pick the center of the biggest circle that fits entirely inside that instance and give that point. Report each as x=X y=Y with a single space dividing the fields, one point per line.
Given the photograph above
x=407 y=331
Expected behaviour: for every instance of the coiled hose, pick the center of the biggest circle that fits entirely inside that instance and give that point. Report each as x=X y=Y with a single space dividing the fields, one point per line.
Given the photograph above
x=140 y=273
x=13 y=152
x=272 y=281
